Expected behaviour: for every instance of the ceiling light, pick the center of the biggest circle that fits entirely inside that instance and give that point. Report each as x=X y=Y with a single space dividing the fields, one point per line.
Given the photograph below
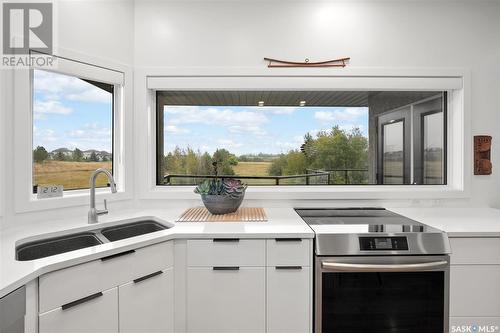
x=302 y=103
x=261 y=103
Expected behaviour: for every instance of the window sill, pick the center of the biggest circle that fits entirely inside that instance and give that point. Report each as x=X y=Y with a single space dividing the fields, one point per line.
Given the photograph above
x=70 y=199
x=323 y=192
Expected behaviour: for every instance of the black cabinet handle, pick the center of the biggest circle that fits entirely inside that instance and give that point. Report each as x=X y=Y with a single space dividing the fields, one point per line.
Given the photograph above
x=145 y=277
x=288 y=239
x=81 y=300
x=117 y=255
x=217 y=240
x=288 y=267
x=226 y=268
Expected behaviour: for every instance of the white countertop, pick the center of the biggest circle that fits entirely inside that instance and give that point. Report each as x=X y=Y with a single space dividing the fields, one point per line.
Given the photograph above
x=282 y=223
x=457 y=222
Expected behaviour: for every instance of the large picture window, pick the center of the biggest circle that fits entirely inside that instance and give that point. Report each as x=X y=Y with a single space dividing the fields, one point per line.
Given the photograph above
x=72 y=129
x=302 y=137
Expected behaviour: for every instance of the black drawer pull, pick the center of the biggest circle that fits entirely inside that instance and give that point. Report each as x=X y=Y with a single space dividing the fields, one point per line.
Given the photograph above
x=226 y=268
x=288 y=239
x=288 y=267
x=217 y=240
x=117 y=255
x=81 y=300
x=145 y=277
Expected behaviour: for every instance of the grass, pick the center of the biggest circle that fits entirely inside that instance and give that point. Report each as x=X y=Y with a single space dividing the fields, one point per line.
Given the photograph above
x=72 y=175
x=252 y=168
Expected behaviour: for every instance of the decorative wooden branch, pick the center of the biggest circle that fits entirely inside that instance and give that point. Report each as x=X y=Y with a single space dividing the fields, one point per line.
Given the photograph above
x=273 y=63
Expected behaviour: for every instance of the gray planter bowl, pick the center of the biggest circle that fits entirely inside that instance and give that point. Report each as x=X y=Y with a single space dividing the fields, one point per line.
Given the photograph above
x=221 y=204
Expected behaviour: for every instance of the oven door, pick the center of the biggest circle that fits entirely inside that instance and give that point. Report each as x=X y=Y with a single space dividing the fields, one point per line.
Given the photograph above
x=391 y=294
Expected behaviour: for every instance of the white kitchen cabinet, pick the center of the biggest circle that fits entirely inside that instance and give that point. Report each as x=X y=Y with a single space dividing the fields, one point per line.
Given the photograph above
x=475 y=291
x=146 y=304
x=474 y=284
x=226 y=299
x=98 y=313
x=288 y=299
x=68 y=284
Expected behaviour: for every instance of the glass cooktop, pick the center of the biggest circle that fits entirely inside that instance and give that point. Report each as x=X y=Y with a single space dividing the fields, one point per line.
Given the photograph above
x=360 y=221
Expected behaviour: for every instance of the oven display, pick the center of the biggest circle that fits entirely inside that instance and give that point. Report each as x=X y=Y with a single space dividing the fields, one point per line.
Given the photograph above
x=383 y=243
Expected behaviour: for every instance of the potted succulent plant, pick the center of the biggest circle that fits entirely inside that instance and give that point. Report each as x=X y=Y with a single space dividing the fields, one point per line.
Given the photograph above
x=221 y=195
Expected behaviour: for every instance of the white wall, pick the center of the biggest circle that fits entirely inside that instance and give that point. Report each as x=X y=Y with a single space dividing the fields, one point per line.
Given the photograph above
x=228 y=34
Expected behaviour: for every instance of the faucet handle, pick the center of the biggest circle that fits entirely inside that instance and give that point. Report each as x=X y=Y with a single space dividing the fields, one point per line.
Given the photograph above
x=105 y=204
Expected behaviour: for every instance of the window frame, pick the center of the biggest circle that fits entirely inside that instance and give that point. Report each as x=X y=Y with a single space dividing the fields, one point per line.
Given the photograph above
x=82 y=66
x=454 y=80
x=116 y=88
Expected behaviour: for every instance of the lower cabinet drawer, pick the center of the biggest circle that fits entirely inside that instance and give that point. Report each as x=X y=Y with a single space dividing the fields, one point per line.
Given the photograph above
x=96 y=315
x=147 y=304
x=475 y=291
x=288 y=300
x=72 y=283
x=474 y=251
x=289 y=251
x=226 y=300
x=226 y=252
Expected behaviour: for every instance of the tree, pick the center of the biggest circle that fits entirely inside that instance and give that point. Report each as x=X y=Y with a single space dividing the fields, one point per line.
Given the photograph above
x=225 y=161
x=40 y=154
x=336 y=149
x=77 y=155
x=60 y=156
x=93 y=157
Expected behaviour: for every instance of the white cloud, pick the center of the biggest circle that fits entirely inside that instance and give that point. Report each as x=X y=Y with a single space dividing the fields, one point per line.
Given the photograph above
x=254 y=130
x=90 y=131
x=281 y=110
x=173 y=129
x=226 y=143
x=42 y=108
x=58 y=87
x=212 y=116
x=341 y=115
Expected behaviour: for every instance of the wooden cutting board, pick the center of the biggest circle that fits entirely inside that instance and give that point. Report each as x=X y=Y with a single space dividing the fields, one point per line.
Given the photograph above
x=243 y=214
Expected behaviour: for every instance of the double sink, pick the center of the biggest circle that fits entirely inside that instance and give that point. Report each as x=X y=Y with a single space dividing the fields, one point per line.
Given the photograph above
x=56 y=245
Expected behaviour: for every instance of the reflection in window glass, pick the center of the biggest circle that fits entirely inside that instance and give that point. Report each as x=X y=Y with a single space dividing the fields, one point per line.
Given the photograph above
x=433 y=143
x=393 y=153
x=72 y=130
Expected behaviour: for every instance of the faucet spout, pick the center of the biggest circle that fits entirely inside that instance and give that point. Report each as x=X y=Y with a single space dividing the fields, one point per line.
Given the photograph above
x=93 y=212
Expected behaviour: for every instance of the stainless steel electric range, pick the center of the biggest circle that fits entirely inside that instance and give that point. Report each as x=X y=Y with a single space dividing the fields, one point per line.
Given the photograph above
x=378 y=272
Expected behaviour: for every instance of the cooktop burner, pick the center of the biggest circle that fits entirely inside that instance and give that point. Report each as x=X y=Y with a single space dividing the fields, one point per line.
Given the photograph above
x=369 y=231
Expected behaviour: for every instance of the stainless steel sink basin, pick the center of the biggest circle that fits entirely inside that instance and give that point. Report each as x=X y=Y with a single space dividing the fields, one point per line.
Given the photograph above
x=131 y=230
x=57 y=245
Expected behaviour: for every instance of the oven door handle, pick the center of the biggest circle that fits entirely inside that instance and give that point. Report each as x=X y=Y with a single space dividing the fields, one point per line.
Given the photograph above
x=346 y=267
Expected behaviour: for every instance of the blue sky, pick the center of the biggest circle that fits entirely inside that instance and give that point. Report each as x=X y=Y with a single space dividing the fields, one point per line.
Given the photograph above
x=251 y=130
x=69 y=112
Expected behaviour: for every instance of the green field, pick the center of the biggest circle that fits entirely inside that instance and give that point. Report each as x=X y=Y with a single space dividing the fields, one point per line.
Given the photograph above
x=72 y=175
x=254 y=169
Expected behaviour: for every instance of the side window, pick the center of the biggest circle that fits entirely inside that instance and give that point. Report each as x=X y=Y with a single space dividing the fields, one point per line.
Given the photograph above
x=72 y=129
x=412 y=145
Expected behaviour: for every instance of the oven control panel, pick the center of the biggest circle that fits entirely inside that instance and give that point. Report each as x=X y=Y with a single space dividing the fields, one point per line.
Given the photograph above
x=399 y=243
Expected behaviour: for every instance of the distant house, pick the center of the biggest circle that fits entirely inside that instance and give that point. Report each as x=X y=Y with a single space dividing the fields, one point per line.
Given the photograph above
x=101 y=155
x=65 y=151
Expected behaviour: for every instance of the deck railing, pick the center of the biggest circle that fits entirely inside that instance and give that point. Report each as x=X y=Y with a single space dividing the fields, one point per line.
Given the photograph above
x=311 y=177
